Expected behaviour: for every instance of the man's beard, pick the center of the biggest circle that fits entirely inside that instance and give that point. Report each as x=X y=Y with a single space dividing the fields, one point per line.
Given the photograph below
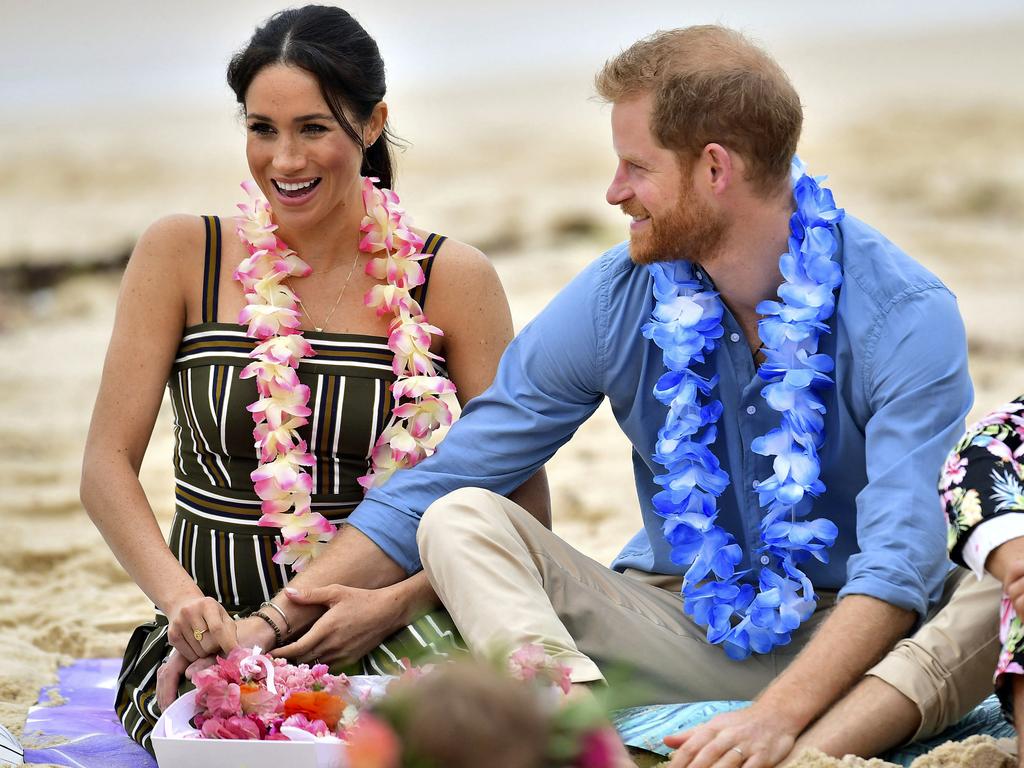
x=692 y=232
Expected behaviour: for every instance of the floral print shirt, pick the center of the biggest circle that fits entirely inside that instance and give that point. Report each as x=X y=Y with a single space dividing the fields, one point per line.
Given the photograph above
x=983 y=479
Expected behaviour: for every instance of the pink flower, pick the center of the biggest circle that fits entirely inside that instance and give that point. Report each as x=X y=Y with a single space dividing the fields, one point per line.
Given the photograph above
x=280 y=404
x=601 y=749
x=953 y=471
x=284 y=474
x=424 y=416
x=271 y=442
x=216 y=696
x=297 y=527
x=290 y=264
x=284 y=350
x=252 y=268
x=409 y=339
x=531 y=662
x=283 y=376
x=372 y=744
x=998 y=416
x=398 y=271
x=390 y=299
x=385 y=224
x=298 y=554
x=265 y=321
x=384 y=462
x=236 y=727
x=417 y=386
x=300 y=721
x=525 y=662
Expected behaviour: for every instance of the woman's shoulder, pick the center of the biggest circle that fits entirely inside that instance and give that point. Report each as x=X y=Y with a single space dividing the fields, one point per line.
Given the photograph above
x=459 y=269
x=172 y=237
x=455 y=252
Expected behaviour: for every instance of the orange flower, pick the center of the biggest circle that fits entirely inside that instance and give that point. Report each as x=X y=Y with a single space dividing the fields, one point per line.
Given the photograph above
x=372 y=744
x=315 y=705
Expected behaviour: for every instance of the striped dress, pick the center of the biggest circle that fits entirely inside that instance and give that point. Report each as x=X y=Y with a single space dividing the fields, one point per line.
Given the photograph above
x=214 y=533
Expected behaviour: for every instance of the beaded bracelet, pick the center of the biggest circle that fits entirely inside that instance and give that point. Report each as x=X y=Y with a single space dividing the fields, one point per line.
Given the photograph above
x=287 y=624
x=273 y=625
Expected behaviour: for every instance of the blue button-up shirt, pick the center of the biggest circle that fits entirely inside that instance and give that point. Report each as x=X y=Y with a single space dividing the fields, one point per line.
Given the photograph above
x=902 y=392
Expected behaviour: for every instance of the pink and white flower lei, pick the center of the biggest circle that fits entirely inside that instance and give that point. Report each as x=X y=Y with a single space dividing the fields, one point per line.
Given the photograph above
x=272 y=317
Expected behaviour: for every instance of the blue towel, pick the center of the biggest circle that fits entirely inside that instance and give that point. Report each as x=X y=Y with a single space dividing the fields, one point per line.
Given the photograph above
x=645 y=727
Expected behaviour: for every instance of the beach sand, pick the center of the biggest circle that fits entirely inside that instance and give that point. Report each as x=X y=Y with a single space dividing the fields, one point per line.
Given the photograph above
x=934 y=161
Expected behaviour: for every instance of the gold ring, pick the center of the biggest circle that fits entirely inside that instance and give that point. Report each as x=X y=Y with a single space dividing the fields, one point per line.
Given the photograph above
x=198 y=634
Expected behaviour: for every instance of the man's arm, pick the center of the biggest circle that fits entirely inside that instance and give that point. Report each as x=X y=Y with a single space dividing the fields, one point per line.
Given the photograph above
x=548 y=382
x=854 y=637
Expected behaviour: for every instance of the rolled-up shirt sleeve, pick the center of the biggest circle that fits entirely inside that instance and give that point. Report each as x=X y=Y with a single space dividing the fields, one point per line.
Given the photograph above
x=548 y=383
x=919 y=393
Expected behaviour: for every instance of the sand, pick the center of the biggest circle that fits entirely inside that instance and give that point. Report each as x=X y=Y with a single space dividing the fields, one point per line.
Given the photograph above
x=943 y=177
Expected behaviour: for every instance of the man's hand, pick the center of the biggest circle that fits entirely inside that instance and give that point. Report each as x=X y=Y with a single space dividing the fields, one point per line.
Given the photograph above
x=355 y=622
x=752 y=738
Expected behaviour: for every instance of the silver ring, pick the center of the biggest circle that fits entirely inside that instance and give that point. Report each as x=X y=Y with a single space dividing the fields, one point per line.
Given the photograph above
x=737 y=749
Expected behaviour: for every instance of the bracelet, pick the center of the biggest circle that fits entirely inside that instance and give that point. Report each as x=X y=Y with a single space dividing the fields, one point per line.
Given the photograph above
x=273 y=625
x=287 y=624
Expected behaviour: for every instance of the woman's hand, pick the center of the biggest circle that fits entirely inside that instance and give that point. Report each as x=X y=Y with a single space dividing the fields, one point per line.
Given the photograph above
x=168 y=676
x=200 y=627
x=355 y=622
x=254 y=632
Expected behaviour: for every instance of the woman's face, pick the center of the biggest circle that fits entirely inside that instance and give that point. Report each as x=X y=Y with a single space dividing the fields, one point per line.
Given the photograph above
x=302 y=159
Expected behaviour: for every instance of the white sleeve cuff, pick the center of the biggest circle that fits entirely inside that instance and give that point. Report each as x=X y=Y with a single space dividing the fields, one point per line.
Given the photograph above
x=988 y=535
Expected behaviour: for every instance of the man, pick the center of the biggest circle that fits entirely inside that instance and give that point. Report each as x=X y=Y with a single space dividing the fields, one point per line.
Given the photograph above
x=705 y=125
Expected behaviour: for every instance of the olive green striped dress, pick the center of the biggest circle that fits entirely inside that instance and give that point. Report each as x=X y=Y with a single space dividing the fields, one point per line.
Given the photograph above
x=214 y=533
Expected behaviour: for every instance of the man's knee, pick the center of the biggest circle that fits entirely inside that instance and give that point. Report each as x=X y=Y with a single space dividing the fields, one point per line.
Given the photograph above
x=463 y=510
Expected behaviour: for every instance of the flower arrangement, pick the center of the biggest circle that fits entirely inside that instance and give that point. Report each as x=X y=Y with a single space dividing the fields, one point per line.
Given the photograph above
x=272 y=317
x=249 y=695
x=431 y=716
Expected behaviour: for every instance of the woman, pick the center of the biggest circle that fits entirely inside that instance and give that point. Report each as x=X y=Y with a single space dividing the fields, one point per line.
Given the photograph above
x=311 y=87
x=982 y=487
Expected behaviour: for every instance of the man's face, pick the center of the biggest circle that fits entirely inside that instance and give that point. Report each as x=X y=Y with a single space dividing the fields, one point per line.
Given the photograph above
x=670 y=220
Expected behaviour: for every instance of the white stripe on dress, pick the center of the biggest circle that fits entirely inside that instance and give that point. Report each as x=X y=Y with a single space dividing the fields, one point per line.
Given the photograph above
x=374 y=423
x=314 y=397
x=177 y=433
x=225 y=404
x=216 y=566
x=216 y=421
x=185 y=383
x=231 y=568
x=259 y=566
x=339 y=407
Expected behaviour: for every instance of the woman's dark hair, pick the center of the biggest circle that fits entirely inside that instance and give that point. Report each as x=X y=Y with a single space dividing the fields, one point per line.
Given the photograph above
x=333 y=47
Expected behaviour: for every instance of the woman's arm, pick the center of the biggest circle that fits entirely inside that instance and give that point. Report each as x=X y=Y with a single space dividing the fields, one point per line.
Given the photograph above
x=151 y=312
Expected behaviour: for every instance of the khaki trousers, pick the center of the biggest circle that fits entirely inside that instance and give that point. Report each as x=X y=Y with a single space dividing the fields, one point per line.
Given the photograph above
x=508 y=581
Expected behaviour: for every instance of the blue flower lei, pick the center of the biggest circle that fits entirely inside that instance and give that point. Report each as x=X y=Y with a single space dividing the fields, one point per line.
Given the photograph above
x=686 y=324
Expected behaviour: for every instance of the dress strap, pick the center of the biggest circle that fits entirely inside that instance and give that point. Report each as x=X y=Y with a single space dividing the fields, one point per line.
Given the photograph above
x=431 y=245
x=211 y=269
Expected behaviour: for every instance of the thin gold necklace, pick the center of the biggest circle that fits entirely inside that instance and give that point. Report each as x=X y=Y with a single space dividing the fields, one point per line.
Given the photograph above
x=337 y=301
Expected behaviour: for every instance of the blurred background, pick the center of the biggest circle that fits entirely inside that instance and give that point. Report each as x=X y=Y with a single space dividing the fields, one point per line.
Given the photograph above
x=113 y=114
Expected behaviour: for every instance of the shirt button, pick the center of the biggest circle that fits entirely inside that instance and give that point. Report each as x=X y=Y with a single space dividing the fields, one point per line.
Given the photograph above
x=734 y=337
x=700 y=275
x=751 y=410
x=754 y=485
x=765 y=560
